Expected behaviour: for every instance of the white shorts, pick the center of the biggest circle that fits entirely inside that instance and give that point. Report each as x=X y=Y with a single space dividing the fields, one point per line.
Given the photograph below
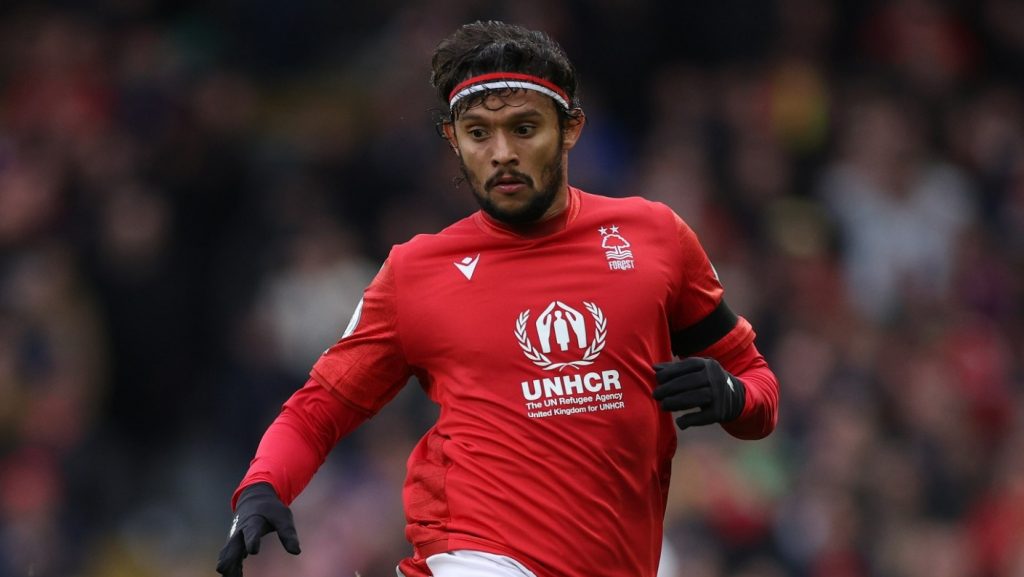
x=465 y=563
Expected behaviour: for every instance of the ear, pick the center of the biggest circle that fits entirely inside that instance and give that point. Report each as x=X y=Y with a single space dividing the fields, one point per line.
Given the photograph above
x=573 y=129
x=448 y=127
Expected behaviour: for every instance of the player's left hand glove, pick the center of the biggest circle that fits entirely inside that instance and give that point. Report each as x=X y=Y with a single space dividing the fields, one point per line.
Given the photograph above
x=699 y=383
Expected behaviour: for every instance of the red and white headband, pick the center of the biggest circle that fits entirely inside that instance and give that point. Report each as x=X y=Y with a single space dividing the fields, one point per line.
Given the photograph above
x=499 y=80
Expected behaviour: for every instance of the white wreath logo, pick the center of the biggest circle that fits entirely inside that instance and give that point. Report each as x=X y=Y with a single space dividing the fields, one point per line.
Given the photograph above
x=542 y=361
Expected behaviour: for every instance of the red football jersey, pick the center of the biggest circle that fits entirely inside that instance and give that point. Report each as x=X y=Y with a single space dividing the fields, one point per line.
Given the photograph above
x=549 y=447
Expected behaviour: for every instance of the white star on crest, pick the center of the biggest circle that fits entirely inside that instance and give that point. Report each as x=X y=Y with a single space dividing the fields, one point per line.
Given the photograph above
x=615 y=229
x=603 y=231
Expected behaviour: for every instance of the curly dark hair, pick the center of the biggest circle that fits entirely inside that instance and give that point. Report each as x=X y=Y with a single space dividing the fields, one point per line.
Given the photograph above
x=494 y=46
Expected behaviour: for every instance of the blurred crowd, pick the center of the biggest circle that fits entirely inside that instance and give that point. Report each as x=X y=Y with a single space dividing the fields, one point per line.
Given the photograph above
x=193 y=196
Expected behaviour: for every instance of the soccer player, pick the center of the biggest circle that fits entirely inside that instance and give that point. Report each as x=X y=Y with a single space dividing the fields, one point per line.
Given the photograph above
x=558 y=331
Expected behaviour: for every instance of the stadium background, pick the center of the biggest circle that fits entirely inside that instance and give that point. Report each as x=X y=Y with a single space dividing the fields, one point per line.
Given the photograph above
x=193 y=195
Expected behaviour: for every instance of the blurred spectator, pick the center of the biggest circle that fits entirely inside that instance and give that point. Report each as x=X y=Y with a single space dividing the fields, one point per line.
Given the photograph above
x=900 y=211
x=309 y=298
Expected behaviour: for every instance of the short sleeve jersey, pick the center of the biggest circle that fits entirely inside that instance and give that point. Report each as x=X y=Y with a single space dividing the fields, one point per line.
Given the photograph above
x=549 y=447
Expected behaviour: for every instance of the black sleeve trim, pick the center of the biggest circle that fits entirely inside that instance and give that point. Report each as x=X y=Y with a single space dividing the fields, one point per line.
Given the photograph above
x=704 y=332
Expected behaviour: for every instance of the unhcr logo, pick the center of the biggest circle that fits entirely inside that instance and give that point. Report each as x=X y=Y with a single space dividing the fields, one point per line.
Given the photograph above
x=562 y=333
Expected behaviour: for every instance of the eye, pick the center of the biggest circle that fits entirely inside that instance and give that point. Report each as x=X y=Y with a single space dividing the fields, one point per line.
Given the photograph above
x=476 y=133
x=525 y=130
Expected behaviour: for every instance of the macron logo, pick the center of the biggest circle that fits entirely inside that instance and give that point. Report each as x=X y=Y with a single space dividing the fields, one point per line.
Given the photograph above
x=467 y=265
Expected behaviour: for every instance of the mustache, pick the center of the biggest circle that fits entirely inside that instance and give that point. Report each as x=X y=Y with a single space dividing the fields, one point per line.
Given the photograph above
x=493 y=180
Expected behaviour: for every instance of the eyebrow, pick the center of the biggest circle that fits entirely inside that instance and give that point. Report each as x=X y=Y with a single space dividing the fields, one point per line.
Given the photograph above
x=521 y=115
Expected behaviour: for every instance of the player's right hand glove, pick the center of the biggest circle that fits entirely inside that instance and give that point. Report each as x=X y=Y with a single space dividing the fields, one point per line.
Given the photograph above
x=699 y=383
x=259 y=511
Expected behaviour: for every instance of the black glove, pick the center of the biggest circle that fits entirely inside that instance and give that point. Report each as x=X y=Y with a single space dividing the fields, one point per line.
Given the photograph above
x=257 y=513
x=699 y=383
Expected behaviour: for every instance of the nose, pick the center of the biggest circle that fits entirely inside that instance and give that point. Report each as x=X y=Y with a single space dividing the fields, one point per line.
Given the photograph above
x=503 y=152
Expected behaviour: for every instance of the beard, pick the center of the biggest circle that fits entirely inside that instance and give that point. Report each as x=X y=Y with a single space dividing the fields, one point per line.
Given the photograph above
x=551 y=177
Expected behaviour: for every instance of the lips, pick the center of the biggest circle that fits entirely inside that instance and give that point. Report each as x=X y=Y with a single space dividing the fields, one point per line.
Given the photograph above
x=507 y=183
x=509 y=186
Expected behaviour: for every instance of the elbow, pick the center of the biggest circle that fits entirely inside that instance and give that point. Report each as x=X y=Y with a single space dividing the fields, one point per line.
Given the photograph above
x=757 y=421
x=759 y=431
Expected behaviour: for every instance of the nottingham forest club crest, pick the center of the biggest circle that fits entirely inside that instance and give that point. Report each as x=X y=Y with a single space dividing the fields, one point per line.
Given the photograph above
x=565 y=337
x=616 y=248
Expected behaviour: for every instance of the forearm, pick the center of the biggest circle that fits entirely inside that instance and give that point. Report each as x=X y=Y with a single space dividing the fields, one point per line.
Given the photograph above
x=298 y=441
x=761 y=409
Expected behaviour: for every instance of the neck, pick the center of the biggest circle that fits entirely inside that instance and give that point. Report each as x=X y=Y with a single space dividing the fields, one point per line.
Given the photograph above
x=561 y=213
